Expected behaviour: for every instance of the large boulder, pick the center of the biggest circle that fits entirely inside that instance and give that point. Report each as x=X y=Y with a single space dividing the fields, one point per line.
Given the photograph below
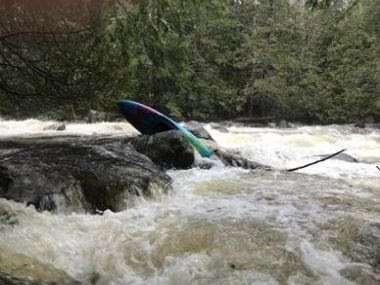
x=167 y=149
x=74 y=176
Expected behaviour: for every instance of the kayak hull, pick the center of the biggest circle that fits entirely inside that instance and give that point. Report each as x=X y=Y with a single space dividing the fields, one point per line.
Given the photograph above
x=149 y=121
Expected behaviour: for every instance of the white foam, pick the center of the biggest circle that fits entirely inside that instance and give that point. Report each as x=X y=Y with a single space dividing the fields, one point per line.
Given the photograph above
x=325 y=264
x=37 y=128
x=288 y=148
x=122 y=247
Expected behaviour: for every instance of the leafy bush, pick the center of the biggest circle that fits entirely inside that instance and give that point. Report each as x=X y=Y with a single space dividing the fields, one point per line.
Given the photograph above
x=202 y=59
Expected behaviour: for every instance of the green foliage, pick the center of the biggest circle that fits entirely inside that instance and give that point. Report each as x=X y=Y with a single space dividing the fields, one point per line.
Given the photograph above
x=48 y=68
x=321 y=66
x=180 y=55
x=208 y=59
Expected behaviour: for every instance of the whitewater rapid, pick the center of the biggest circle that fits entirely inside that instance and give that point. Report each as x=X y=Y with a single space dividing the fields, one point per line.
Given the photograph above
x=288 y=148
x=222 y=225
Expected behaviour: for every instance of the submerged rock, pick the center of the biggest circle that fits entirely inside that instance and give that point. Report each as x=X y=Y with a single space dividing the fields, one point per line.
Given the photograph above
x=342 y=156
x=346 y=157
x=56 y=127
x=236 y=160
x=167 y=149
x=283 y=124
x=19 y=269
x=90 y=177
x=221 y=128
x=368 y=122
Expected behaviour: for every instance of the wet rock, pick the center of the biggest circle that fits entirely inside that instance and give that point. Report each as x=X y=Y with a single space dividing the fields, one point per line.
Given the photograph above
x=343 y=157
x=211 y=144
x=57 y=175
x=369 y=119
x=205 y=164
x=18 y=269
x=221 y=128
x=373 y=126
x=368 y=122
x=346 y=157
x=283 y=124
x=236 y=160
x=167 y=149
x=198 y=130
x=360 y=124
x=56 y=127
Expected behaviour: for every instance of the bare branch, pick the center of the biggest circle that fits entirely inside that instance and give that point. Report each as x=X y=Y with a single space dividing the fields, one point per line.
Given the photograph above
x=315 y=162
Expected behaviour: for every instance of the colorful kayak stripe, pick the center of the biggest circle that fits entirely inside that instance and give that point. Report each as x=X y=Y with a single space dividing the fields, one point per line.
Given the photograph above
x=149 y=121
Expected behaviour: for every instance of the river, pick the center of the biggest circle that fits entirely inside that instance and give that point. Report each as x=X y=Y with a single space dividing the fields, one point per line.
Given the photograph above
x=320 y=225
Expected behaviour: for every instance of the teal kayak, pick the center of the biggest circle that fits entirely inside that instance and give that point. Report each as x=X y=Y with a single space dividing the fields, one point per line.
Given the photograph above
x=149 y=121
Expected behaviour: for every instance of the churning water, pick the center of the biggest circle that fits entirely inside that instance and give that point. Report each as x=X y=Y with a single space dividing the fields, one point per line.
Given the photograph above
x=226 y=225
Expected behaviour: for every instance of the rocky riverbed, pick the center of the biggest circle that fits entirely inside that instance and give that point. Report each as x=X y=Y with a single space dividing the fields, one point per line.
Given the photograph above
x=100 y=211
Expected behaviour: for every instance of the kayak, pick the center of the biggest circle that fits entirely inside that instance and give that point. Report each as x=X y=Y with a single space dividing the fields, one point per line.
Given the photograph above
x=149 y=121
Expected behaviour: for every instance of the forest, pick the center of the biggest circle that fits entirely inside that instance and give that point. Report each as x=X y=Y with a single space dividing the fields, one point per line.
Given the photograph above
x=312 y=61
